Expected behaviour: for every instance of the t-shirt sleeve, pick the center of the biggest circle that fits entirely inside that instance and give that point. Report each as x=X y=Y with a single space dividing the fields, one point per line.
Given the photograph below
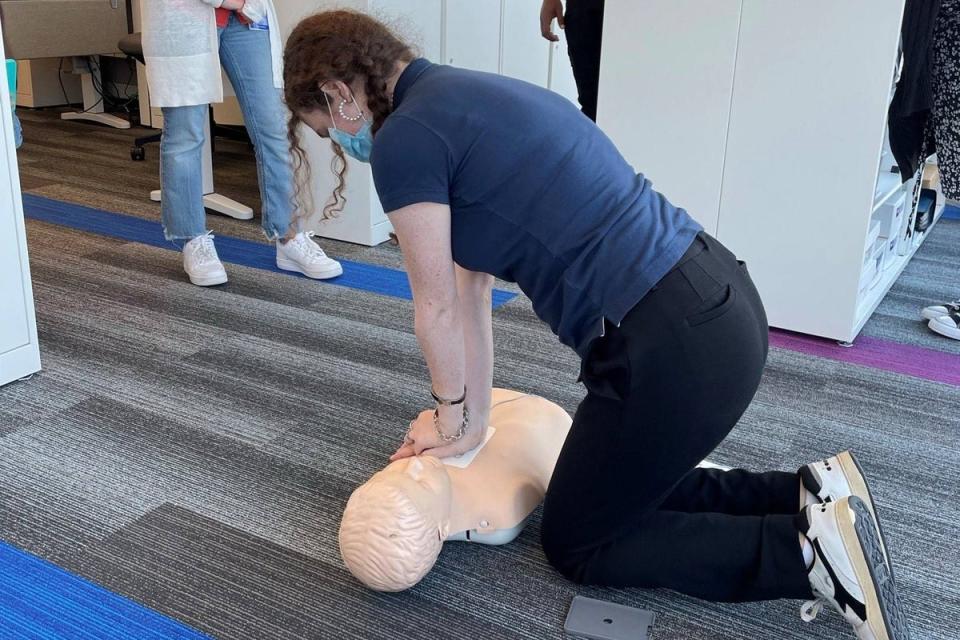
x=410 y=164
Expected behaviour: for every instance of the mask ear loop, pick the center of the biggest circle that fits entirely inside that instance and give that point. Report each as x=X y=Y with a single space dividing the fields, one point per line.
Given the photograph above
x=329 y=109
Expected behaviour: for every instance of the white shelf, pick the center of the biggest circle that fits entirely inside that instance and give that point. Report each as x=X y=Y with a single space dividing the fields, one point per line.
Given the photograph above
x=872 y=298
x=941 y=208
x=872 y=236
x=888 y=184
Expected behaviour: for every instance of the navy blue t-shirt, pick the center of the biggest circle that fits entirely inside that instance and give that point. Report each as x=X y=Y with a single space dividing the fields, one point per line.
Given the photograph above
x=538 y=194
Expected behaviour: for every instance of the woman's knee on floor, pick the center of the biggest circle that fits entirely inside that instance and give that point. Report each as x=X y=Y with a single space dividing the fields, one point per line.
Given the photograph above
x=571 y=564
x=600 y=556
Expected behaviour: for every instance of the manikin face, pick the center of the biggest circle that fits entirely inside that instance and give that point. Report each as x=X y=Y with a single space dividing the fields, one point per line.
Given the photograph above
x=426 y=483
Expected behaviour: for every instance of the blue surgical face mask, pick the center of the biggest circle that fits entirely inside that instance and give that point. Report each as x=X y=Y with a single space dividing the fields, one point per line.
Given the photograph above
x=357 y=145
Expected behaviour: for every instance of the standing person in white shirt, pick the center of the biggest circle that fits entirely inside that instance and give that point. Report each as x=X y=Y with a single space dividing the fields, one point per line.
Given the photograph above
x=185 y=42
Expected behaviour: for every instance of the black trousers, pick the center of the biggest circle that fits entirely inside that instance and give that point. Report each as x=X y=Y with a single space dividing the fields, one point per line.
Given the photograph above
x=584 y=31
x=626 y=506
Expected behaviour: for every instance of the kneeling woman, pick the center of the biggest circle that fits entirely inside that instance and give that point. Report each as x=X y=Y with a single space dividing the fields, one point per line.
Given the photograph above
x=484 y=176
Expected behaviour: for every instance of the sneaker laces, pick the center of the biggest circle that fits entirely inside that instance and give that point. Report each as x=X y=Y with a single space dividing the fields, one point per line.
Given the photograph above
x=810 y=609
x=307 y=248
x=202 y=247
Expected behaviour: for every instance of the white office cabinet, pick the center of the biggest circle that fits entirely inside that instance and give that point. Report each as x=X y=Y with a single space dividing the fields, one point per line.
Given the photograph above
x=766 y=120
x=418 y=22
x=806 y=133
x=362 y=220
x=524 y=54
x=19 y=353
x=561 y=73
x=666 y=82
x=472 y=34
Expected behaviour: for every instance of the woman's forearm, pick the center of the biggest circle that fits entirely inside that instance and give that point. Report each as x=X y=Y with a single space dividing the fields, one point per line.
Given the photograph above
x=233 y=5
x=475 y=310
x=440 y=334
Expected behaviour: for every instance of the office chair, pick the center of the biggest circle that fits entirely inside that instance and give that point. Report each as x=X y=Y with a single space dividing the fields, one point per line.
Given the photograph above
x=132 y=46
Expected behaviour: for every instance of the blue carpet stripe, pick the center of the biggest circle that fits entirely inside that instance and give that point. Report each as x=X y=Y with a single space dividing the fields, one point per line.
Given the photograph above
x=951 y=213
x=41 y=601
x=356 y=275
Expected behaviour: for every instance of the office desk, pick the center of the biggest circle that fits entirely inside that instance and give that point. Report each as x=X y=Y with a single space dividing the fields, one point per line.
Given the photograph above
x=62 y=28
x=65 y=29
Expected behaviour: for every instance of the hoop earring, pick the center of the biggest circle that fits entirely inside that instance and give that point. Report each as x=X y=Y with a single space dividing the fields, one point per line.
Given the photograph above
x=345 y=116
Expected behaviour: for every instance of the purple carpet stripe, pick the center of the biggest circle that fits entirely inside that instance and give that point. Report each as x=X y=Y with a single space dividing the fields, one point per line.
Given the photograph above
x=905 y=359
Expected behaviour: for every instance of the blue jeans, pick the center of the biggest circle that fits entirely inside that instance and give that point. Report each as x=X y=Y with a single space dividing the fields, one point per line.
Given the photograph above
x=245 y=55
x=17 y=132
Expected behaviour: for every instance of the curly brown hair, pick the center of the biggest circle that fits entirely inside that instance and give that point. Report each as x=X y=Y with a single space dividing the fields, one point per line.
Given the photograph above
x=336 y=45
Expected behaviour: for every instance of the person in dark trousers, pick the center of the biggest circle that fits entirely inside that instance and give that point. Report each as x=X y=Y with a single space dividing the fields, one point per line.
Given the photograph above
x=583 y=24
x=485 y=176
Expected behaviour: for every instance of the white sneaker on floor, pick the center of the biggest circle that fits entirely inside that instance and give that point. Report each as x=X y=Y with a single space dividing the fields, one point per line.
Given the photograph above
x=303 y=255
x=940 y=310
x=848 y=570
x=838 y=477
x=201 y=262
x=948 y=325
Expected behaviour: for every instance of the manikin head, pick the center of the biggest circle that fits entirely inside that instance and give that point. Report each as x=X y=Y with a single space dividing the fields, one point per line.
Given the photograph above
x=394 y=525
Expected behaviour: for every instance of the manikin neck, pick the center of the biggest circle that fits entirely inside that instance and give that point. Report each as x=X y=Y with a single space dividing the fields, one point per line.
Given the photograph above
x=460 y=518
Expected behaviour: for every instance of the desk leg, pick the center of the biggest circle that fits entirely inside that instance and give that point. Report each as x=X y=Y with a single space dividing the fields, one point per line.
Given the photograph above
x=212 y=200
x=92 y=103
x=218 y=203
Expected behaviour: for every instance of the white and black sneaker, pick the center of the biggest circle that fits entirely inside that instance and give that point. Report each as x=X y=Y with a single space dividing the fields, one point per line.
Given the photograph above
x=837 y=477
x=939 y=310
x=948 y=325
x=848 y=570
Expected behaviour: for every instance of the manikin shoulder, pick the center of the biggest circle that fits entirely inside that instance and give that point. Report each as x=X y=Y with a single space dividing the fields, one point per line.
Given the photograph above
x=515 y=408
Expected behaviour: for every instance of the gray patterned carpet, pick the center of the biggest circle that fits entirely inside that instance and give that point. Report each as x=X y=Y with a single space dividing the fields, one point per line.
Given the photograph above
x=193 y=448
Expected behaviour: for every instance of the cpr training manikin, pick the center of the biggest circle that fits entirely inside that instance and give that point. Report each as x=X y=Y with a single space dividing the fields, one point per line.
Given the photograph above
x=395 y=524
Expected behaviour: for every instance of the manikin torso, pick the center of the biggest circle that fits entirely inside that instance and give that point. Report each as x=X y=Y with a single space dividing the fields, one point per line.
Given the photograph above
x=395 y=524
x=506 y=480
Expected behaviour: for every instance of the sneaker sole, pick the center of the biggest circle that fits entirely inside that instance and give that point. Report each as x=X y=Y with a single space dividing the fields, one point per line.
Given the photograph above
x=942 y=329
x=932 y=315
x=208 y=281
x=288 y=265
x=863 y=547
x=857 y=480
